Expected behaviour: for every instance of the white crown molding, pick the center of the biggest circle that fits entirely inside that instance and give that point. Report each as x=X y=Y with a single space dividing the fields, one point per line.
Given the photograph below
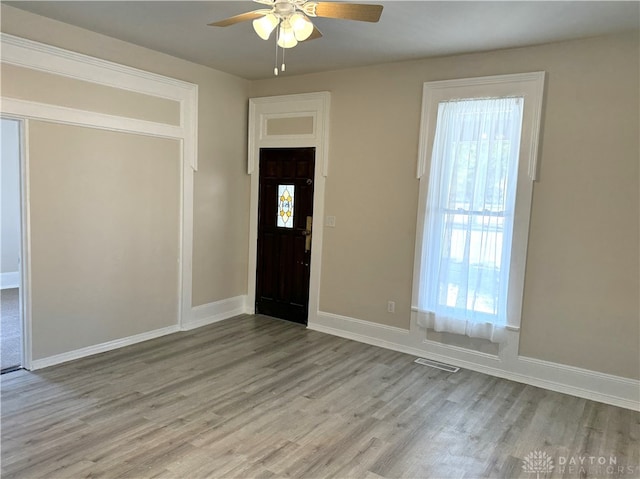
x=40 y=56
x=593 y=385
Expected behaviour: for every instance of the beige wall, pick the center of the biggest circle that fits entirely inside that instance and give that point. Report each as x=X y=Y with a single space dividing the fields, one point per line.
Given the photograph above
x=104 y=235
x=581 y=292
x=221 y=197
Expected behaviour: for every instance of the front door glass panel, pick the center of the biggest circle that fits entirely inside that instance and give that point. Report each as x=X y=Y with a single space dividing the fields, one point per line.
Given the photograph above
x=286 y=194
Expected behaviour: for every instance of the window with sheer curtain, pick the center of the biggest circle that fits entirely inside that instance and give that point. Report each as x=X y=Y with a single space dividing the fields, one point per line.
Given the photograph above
x=469 y=217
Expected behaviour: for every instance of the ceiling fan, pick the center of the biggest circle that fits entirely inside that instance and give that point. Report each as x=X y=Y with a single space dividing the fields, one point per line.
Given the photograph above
x=292 y=18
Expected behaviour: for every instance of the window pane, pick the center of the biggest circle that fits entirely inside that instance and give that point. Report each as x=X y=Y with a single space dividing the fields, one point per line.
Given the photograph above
x=286 y=193
x=471 y=204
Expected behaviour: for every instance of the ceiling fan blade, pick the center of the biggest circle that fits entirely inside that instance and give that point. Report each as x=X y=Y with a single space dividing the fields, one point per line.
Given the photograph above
x=314 y=34
x=243 y=17
x=349 y=11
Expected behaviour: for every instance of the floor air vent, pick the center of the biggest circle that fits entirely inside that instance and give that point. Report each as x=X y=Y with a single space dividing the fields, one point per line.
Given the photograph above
x=436 y=364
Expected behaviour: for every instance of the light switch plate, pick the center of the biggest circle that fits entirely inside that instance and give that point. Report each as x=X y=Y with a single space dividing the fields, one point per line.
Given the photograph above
x=330 y=221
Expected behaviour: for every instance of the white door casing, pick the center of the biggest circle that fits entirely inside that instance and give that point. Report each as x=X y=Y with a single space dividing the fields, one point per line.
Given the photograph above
x=38 y=56
x=302 y=107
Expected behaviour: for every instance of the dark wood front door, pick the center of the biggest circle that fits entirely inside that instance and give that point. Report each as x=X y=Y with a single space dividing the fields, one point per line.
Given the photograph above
x=285 y=215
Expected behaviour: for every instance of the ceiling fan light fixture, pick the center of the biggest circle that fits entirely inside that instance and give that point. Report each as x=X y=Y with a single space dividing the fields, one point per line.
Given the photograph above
x=287 y=37
x=291 y=19
x=302 y=26
x=265 y=25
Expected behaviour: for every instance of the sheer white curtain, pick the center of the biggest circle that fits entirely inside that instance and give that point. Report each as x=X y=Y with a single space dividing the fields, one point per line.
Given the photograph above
x=468 y=227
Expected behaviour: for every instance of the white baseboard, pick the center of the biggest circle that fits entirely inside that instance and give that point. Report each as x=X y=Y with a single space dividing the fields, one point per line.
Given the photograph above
x=594 y=385
x=201 y=316
x=214 y=312
x=10 y=280
x=101 y=348
x=605 y=388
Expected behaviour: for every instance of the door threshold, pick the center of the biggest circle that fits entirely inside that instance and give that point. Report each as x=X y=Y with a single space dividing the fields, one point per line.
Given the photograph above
x=10 y=369
x=288 y=321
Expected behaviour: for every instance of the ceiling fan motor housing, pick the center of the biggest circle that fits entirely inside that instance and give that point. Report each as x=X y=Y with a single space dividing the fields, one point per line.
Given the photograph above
x=284 y=8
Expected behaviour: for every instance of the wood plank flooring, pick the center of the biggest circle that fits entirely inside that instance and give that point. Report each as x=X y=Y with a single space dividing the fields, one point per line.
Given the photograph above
x=255 y=397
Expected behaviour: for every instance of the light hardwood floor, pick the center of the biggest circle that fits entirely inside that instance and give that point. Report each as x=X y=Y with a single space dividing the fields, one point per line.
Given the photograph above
x=255 y=397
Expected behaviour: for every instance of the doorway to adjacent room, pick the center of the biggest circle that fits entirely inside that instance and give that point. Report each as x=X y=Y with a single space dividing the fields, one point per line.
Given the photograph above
x=11 y=332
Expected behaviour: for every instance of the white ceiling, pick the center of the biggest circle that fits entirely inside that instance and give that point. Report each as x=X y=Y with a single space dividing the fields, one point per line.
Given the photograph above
x=407 y=30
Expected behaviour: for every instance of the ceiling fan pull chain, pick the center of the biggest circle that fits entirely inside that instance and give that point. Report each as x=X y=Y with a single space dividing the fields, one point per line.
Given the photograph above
x=283 y=65
x=275 y=68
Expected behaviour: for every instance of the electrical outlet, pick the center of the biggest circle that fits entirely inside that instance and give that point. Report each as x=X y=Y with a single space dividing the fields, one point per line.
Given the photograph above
x=391 y=306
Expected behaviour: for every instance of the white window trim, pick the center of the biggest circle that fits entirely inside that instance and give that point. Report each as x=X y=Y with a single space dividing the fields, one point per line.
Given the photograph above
x=530 y=86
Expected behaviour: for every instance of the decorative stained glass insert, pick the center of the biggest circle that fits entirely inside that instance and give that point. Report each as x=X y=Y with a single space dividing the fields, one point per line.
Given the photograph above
x=286 y=194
